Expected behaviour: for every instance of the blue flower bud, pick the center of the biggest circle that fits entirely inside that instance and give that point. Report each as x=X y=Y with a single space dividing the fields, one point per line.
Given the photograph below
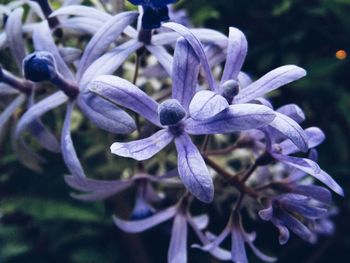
x=229 y=89
x=152 y=17
x=39 y=66
x=171 y=112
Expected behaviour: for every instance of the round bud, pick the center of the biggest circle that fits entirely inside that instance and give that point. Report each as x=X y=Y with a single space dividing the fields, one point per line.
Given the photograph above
x=171 y=112
x=230 y=89
x=39 y=66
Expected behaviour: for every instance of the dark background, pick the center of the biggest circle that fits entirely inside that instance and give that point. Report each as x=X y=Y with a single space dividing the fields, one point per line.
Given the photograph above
x=41 y=223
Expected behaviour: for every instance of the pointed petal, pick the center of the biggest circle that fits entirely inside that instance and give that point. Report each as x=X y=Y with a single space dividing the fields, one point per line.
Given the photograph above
x=124 y=93
x=145 y=148
x=238 y=252
x=83 y=25
x=103 y=38
x=80 y=10
x=269 y=82
x=106 y=115
x=177 y=252
x=197 y=47
x=206 y=104
x=70 y=54
x=236 y=52
x=313 y=169
x=68 y=152
x=39 y=109
x=235 y=118
x=44 y=137
x=43 y=41
x=163 y=57
x=138 y=226
x=14 y=36
x=314 y=135
x=10 y=109
x=185 y=73
x=292 y=111
x=260 y=254
x=109 y=62
x=290 y=129
x=192 y=169
x=27 y=156
x=216 y=240
x=314 y=191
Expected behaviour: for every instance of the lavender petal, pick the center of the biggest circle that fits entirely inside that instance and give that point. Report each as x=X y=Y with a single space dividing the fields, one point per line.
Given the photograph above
x=177 y=252
x=145 y=148
x=192 y=169
x=293 y=111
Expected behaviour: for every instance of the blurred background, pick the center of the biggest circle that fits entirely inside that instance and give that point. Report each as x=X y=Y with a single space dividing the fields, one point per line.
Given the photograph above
x=40 y=222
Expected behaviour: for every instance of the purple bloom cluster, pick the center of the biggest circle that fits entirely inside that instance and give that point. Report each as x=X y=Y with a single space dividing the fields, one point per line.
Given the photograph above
x=197 y=112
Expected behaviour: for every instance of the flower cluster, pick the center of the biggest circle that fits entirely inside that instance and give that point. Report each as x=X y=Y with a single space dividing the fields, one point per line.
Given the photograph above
x=199 y=112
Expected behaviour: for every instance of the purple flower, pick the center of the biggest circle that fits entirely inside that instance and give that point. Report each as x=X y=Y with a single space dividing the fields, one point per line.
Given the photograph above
x=295 y=212
x=173 y=117
x=235 y=89
x=178 y=243
x=235 y=228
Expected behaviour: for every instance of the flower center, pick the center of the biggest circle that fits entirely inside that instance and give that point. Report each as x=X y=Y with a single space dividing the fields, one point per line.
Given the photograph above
x=229 y=89
x=39 y=66
x=171 y=112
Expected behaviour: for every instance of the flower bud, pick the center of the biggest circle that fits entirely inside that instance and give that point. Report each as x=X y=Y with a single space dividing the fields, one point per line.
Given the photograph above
x=230 y=89
x=39 y=66
x=171 y=112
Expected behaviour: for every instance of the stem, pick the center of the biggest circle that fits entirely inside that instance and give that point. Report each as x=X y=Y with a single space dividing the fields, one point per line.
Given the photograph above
x=249 y=172
x=68 y=88
x=223 y=151
x=231 y=178
x=145 y=36
x=21 y=85
x=53 y=21
x=137 y=67
x=205 y=143
x=239 y=202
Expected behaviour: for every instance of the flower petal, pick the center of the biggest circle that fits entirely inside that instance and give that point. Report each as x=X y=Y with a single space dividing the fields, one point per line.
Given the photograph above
x=124 y=93
x=177 y=252
x=145 y=148
x=43 y=41
x=290 y=129
x=10 y=109
x=185 y=73
x=206 y=104
x=238 y=252
x=109 y=62
x=138 y=226
x=103 y=38
x=39 y=109
x=193 y=171
x=44 y=137
x=292 y=111
x=197 y=47
x=201 y=221
x=106 y=115
x=68 y=152
x=163 y=57
x=14 y=36
x=236 y=52
x=80 y=10
x=269 y=82
x=235 y=118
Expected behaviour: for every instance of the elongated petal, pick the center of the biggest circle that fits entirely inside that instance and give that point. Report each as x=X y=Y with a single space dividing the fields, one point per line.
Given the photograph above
x=124 y=93
x=43 y=135
x=197 y=47
x=70 y=54
x=293 y=111
x=235 y=118
x=177 y=252
x=185 y=73
x=163 y=57
x=103 y=38
x=109 y=62
x=39 y=109
x=314 y=135
x=80 y=10
x=6 y=90
x=313 y=169
x=216 y=241
x=201 y=221
x=10 y=109
x=314 y=191
x=43 y=41
x=145 y=148
x=106 y=115
x=14 y=36
x=138 y=226
x=192 y=169
x=68 y=152
x=83 y=25
x=269 y=82
x=206 y=104
x=290 y=129
x=236 y=53
x=260 y=254
x=238 y=252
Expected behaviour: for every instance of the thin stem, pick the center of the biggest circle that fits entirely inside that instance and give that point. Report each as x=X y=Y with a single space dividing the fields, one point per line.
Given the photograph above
x=239 y=202
x=19 y=84
x=231 y=178
x=223 y=151
x=249 y=172
x=137 y=68
x=205 y=143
